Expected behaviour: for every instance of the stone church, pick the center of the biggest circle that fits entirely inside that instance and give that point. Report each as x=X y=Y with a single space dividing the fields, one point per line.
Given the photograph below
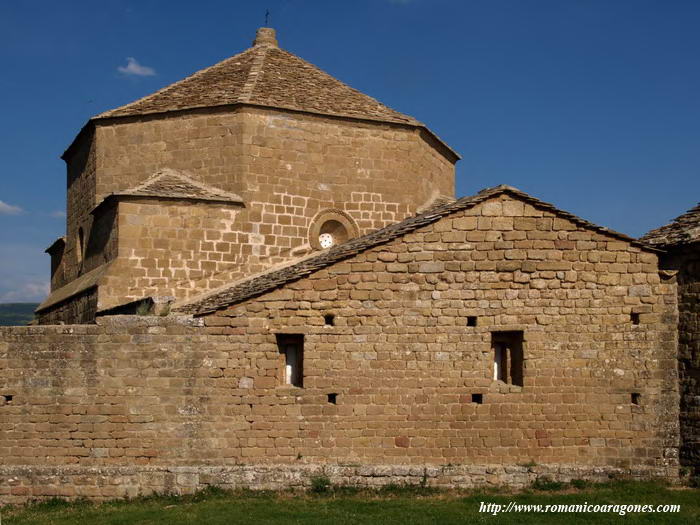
x=266 y=277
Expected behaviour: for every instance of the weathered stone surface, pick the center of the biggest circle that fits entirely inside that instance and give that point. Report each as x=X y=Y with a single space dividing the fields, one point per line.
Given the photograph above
x=181 y=202
x=19 y=484
x=209 y=201
x=400 y=356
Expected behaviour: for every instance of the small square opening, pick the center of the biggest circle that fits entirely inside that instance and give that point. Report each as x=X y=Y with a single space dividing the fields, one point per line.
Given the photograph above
x=634 y=317
x=329 y=320
x=471 y=320
x=333 y=398
x=636 y=398
x=478 y=398
x=7 y=398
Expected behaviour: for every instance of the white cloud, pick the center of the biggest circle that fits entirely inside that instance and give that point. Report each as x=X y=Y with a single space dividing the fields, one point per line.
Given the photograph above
x=24 y=273
x=26 y=292
x=58 y=214
x=133 y=68
x=8 y=209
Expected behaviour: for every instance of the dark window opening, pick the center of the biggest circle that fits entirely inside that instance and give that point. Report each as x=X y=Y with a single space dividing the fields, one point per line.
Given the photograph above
x=636 y=398
x=7 y=398
x=508 y=357
x=634 y=317
x=333 y=398
x=478 y=398
x=291 y=346
x=329 y=320
x=471 y=320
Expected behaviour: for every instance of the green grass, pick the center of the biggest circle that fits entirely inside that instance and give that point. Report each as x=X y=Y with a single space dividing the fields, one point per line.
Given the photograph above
x=391 y=505
x=16 y=314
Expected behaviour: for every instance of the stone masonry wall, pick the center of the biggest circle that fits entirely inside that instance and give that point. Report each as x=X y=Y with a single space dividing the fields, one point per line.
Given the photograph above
x=101 y=241
x=689 y=356
x=81 y=308
x=81 y=176
x=21 y=483
x=256 y=153
x=165 y=247
x=133 y=405
x=287 y=167
x=404 y=363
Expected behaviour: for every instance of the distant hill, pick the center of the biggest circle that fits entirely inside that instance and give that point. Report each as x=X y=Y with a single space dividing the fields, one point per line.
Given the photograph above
x=16 y=314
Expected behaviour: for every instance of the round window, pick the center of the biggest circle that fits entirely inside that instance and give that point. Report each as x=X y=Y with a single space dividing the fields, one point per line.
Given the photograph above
x=326 y=240
x=331 y=228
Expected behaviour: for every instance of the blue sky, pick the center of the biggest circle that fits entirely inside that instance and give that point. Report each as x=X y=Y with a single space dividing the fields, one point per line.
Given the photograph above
x=592 y=105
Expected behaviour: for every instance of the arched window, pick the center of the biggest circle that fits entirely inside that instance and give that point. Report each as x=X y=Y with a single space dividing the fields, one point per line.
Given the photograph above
x=330 y=228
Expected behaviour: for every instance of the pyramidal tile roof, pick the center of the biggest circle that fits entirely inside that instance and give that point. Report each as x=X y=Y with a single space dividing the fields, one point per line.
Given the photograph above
x=173 y=184
x=685 y=229
x=176 y=184
x=256 y=285
x=264 y=75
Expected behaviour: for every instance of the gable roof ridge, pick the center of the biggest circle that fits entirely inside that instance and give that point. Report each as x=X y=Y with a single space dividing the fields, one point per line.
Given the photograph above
x=197 y=191
x=170 y=87
x=273 y=277
x=178 y=174
x=254 y=74
x=165 y=172
x=256 y=285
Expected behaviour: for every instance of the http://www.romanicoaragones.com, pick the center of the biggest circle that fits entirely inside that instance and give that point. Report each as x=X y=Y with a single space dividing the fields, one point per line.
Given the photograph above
x=585 y=507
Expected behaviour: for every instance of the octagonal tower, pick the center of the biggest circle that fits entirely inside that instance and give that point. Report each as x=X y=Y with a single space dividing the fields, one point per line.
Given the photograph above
x=255 y=161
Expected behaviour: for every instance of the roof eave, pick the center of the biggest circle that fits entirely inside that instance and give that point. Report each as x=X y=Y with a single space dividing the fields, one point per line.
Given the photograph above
x=60 y=241
x=116 y=197
x=413 y=124
x=89 y=126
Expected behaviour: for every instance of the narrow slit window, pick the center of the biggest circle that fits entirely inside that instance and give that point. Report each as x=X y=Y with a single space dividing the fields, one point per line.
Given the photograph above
x=291 y=347
x=80 y=245
x=634 y=317
x=508 y=357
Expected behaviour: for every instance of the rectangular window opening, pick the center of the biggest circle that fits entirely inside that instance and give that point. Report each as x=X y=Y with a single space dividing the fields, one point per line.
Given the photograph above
x=291 y=346
x=478 y=398
x=329 y=320
x=634 y=317
x=636 y=398
x=333 y=398
x=471 y=320
x=508 y=357
x=7 y=398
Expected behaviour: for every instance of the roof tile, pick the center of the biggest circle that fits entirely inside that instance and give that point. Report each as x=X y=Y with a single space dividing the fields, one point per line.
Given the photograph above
x=264 y=75
x=173 y=184
x=684 y=229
